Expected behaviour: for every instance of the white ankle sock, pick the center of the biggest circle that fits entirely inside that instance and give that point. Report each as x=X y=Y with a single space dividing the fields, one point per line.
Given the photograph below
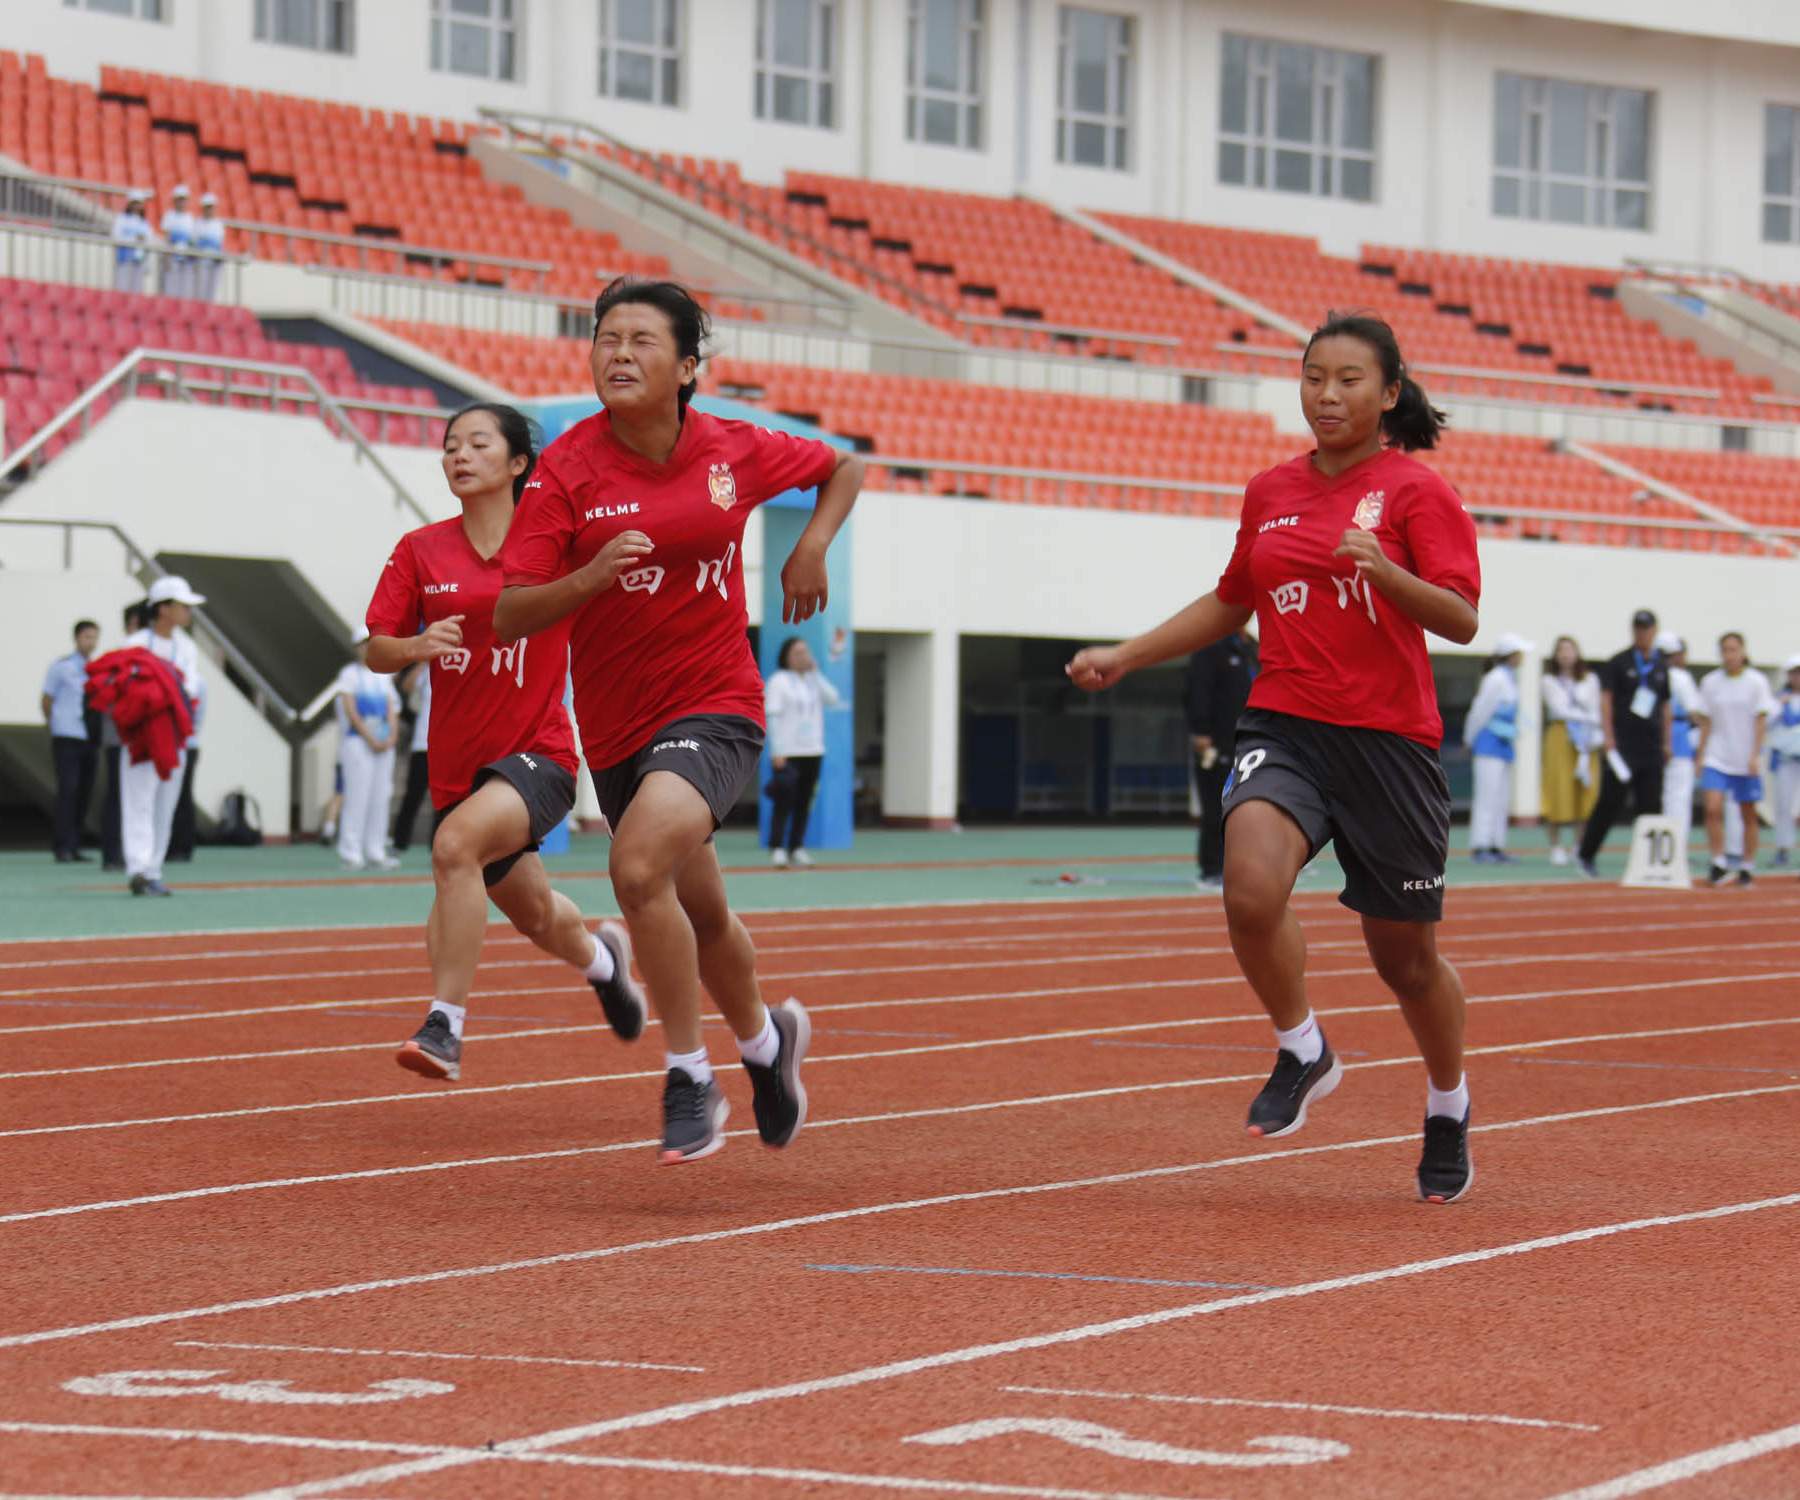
x=1453 y=1103
x=1305 y=1041
x=694 y=1064
x=762 y=1048
x=454 y=1014
x=600 y=966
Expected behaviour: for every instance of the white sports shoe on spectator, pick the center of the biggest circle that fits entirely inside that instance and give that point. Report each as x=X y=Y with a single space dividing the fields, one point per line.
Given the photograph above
x=802 y=859
x=1559 y=855
x=779 y=859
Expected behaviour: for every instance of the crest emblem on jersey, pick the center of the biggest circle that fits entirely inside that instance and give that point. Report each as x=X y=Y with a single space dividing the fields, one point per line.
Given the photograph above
x=1368 y=509
x=722 y=486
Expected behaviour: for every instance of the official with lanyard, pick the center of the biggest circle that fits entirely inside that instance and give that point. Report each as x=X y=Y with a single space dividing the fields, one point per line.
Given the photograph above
x=1635 y=719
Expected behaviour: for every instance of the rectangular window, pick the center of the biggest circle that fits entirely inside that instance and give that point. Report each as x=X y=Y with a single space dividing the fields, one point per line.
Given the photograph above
x=1781 y=174
x=1094 y=88
x=143 y=10
x=319 y=25
x=640 y=50
x=477 y=38
x=1571 y=153
x=1297 y=119
x=943 y=72
x=796 y=61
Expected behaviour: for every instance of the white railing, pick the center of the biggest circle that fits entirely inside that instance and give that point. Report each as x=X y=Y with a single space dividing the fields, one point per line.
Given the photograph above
x=84 y=257
x=172 y=373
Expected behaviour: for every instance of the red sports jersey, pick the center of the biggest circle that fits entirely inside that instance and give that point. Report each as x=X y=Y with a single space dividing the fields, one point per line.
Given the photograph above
x=487 y=700
x=1332 y=647
x=668 y=638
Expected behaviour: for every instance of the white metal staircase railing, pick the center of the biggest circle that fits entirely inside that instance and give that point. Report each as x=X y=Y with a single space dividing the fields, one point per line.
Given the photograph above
x=137 y=367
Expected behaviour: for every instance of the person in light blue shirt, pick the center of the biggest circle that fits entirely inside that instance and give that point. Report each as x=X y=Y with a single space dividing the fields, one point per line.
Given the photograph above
x=178 y=231
x=1490 y=732
x=1784 y=760
x=131 y=236
x=74 y=751
x=209 y=235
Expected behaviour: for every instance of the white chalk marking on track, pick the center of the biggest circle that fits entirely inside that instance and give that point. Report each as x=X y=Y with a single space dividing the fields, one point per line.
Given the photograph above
x=511 y=1359
x=267 y=1184
x=566 y=1460
x=663 y=1416
x=1310 y=1406
x=1211 y=981
x=1657 y=1476
x=840 y=1215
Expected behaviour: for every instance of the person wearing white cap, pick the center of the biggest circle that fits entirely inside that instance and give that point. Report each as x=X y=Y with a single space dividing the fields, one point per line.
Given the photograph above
x=178 y=230
x=1738 y=707
x=1784 y=743
x=131 y=237
x=368 y=715
x=1490 y=731
x=209 y=236
x=1687 y=716
x=147 y=801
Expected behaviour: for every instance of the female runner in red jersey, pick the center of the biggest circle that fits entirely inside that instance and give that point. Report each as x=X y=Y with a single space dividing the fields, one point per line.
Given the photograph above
x=632 y=529
x=502 y=762
x=1347 y=555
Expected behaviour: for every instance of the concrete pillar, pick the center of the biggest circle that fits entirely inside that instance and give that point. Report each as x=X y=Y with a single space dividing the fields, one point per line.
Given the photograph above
x=923 y=727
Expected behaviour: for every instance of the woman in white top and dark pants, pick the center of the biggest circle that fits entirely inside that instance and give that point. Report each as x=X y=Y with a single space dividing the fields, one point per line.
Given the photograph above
x=369 y=718
x=795 y=699
x=1490 y=731
x=147 y=801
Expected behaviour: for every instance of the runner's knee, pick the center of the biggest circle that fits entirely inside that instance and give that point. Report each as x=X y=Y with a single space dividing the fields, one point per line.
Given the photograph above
x=1255 y=899
x=637 y=879
x=453 y=852
x=1408 y=970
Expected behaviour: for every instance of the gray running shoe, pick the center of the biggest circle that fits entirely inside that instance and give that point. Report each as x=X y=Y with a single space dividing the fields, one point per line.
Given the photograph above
x=621 y=997
x=1446 y=1170
x=433 y=1051
x=694 y=1116
x=1280 y=1109
x=780 y=1096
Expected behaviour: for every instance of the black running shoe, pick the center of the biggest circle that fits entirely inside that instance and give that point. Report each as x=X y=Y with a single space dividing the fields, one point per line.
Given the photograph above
x=138 y=884
x=1280 y=1109
x=621 y=997
x=1716 y=873
x=434 y=1051
x=780 y=1096
x=156 y=888
x=1446 y=1171
x=694 y=1116
x=1746 y=876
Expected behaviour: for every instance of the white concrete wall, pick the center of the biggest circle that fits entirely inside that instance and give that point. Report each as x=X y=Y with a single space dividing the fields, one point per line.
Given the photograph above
x=1712 y=69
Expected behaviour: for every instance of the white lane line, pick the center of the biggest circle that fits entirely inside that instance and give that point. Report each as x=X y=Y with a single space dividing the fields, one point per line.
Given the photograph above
x=663 y=1416
x=834 y=1216
x=1642 y=1481
x=905 y=1482
x=1313 y=1406
x=511 y=1359
x=267 y=1184
x=1213 y=981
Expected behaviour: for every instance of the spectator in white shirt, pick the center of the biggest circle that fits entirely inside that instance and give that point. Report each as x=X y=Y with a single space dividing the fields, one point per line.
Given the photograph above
x=131 y=236
x=209 y=236
x=1687 y=715
x=146 y=801
x=74 y=747
x=795 y=699
x=1784 y=740
x=417 y=686
x=1737 y=703
x=368 y=714
x=1490 y=732
x=178 y=230
x=1572 y=741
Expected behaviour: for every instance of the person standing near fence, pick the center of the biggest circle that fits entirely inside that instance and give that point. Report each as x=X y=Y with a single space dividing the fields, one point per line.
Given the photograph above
x=209 y=237
x=1572 y=743
x=1218 y=686
x=178 y=234
x=1784 y=761
x=1686 y=717
x=368 y=712
x=74 y=750
x=131 y=238
x=1490 y=732
x=795 y=699
x=146 y=799
x=1635 y=719
x=1738 y=707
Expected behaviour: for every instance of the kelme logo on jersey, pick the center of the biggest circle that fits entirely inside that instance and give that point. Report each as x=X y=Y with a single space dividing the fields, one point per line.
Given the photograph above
x=441 y=588
x=601 y=512
x=1290 y=598
x=1368 y=509
x=721 y=486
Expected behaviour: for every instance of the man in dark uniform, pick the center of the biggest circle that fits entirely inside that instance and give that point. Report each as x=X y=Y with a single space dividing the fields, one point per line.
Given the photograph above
x=1635 y=718
x=1218 y=682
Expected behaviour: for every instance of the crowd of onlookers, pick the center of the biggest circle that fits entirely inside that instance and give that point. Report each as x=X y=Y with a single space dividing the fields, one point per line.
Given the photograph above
x=188 y=251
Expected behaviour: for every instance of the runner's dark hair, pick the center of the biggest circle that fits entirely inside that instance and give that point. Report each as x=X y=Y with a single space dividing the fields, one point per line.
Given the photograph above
x=1414 y=422
x=687 y=318
x=519 y=430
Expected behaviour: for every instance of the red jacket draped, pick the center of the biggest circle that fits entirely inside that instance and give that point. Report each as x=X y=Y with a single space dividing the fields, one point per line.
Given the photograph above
x=142 y=694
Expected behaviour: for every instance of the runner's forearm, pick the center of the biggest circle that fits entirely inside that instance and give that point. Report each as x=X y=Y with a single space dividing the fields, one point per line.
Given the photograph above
x=1208 y=619
x=525 y=609
x=836 y=497
x=394 y=653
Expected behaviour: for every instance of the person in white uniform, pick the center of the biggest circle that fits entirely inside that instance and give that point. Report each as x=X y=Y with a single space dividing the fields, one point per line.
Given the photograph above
x=795 y=699
x=209 y=235
x=418 y=765
x=1490 y=732
x=368 y=713
x=1570 y=771
x=1784 y=760
x=178 y=231
x=1738 y=706
x=1687 y=716
x=146 y=800
x=131 y=238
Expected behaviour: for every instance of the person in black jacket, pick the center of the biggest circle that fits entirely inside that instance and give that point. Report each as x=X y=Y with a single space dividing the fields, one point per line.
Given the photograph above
x=1635 y=718
x=1218 y=683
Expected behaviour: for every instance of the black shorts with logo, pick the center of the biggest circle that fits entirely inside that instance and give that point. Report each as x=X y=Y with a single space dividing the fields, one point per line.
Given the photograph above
x=548 y=791
x=1379 y=797
x=715 y=753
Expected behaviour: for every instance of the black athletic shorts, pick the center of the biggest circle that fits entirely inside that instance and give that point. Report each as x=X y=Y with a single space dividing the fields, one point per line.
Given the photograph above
x=1380 y=798
x=547 y=789
x=715 y=753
